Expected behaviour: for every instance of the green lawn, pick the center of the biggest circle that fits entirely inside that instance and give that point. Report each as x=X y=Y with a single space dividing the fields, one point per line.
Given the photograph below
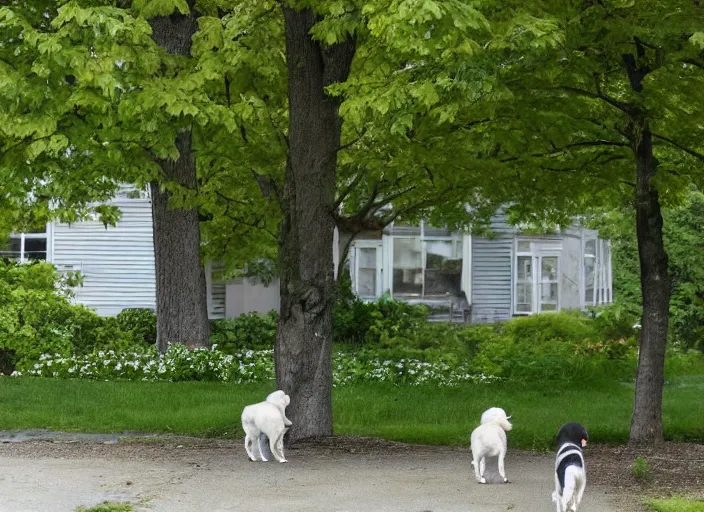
x=427 y=415
x=677 y=505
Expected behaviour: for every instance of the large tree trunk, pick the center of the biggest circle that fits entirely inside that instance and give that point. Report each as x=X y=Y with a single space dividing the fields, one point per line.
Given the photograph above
x=646 y=423
x=304 y=335
x=181 y=297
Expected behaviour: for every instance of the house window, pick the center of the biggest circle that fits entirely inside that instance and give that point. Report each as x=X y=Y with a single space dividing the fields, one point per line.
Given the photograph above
x=427 y=267
x=26 y=247
x=537 y=273
x=408 y=267
x=366 y=270
x=597 y=272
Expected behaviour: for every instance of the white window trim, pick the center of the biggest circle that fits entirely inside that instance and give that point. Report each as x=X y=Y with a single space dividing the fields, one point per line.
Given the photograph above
x=536 y=254
x=33 y=236
x=465 y=276
x=603 y=272
x=354 y=266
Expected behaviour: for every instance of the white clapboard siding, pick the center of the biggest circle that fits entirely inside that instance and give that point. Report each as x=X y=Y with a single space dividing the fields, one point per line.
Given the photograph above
x=117 y=262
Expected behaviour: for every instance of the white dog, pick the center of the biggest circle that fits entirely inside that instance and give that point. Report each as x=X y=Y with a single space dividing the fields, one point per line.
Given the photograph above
x=268 y=419
x=489 y=440
x=570 y=474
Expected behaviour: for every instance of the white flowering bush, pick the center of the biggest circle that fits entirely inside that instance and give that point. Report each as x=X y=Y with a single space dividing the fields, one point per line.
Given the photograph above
x=180 y=363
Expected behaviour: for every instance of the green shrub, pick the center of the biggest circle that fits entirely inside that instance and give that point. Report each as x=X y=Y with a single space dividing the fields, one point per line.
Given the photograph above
x=566 y=326
x=37 y=317
x=616 y=321
x=352 y=320
x=393 y=322
x=139 y=323
x=555 y=347
x=250 y=331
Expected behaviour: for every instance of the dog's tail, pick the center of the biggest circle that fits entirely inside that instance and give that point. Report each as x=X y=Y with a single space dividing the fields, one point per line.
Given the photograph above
x=574 y=479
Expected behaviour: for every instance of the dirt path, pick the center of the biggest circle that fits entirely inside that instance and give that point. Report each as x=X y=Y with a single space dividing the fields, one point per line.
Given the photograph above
x=215 y=476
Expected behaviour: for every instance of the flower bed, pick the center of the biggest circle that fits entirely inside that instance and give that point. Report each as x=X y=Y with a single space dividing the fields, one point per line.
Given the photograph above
x=180 y=363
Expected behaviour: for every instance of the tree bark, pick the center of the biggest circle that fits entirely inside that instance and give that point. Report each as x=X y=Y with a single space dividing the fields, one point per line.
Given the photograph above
x=181 y=296
x=646 y=423
x=304 y=335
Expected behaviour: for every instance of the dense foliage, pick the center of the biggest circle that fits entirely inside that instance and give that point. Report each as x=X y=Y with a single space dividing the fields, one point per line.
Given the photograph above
x=43 y=333
x=683 y=226
x=37 y=316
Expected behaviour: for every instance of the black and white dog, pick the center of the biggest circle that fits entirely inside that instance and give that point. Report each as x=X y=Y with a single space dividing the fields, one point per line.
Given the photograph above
x=570 y=474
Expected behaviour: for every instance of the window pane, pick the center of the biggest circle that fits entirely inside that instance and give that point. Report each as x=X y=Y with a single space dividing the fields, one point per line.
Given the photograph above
x=549 y=268
x=366 y=283
x=15 y=245
x=367 y=257
x=443 y=268
x=548 y=293
x=408 y=271
x=523 y=246
x=35 y=248
x=548 y=307
x=590 y=247
x=525 y=264
x=524 y=297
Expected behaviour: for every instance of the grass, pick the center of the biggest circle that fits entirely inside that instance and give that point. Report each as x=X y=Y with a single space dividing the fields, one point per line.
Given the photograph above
x=108 y=506
x=676 y=505
x=424 y=414
x=641 y=469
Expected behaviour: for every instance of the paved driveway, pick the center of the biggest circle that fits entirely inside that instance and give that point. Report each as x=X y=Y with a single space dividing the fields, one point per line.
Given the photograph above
x=39 y=476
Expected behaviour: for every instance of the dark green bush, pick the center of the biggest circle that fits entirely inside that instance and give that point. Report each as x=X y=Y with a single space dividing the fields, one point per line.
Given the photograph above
x=352 y=320
x=140 y=323
x=250 y=331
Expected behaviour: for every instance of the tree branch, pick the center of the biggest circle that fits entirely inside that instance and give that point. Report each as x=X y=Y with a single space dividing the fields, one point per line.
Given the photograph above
x=575 y=145
x=390 y=198
x=267 y=185
x=694 y=63
x=689 y=151
x=343 y=195
x=353 y=141
x=626 y=108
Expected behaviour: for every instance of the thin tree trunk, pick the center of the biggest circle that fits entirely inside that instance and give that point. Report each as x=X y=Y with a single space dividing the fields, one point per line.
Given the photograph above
x=646 y=423
x=181 y=297
x=304 y=335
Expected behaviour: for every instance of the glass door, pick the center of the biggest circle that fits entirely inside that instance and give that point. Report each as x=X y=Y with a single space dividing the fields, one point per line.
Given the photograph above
x=549 y=283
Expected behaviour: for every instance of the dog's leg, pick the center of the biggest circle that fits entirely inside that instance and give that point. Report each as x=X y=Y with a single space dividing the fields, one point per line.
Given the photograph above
x=247 y=447
x=475 y=463
x=262 y=448
x=274 y=446
x=582 y=484
x=569 y=491
x=502 y=471
x=556 y=498
x=482 y=468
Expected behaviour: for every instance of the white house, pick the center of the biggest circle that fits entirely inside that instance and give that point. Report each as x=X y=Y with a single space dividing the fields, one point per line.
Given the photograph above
x=508 y=274
x=488 y=279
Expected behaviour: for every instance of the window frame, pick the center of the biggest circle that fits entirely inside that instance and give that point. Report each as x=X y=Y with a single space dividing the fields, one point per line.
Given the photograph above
x=367 y=244
x=454 y=238
x=23 y=237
